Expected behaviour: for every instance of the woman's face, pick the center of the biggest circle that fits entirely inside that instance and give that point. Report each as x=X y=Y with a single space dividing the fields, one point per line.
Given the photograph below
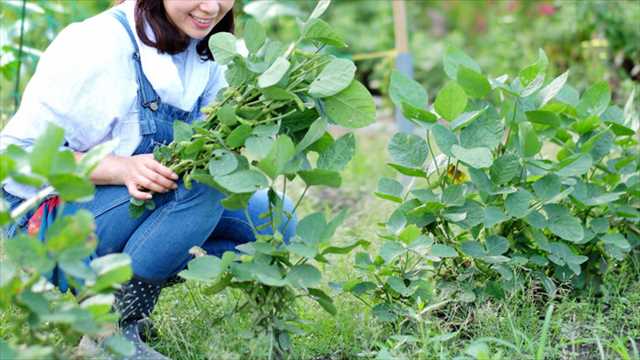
x=196 y=18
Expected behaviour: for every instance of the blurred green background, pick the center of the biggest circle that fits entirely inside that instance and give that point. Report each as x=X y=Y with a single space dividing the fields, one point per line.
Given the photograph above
x=598 y=39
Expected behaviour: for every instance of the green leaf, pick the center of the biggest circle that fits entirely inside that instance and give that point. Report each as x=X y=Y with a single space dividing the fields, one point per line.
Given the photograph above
x=404 y=170
x=497 y=245
x=274 y=73
x=333 y=78
x=28 y=252
x=237 y=72
x=418 y=115
x=620 y=130
x=553 y=88
x=451 y=101
x=466 y=118
x=410 y=233
x=542 y=117
x=493 y=216
x=64 y=162
x=338 y=155
x=203 y=268
x=473 y=249
x=281 y=152
x=72 y=187
x=238 y=136
x=69 y=231
x=404 y=89
x=269 y=275
x=486 y=131
x=481 y=181
x=111 y=269
x=390 y=250
x=8 y=271
x=444 y=138
x=311 y=228
x=453 y=195
x=7 y=166
x=315 y=132
x=563 y=224
x=398 y=286
x=243 y=181
x=344 y=249
x=473 y=211
x=593 y=195
x=227 y=115
x=323 y=300
x=575 y=165
x=505 y=168
x=389 y=189
x=352 y=108
x=478 y=158
x=320 y=8
x=384 y=312
x=530 y=145
x=585 y=125
x=595 y=100
x=474 y=83
x=276 y=93
x=319 y=31
x=303 y=276
x=536 y=220
x=181 y=131
x=302 y=250
x=443 y=251
x=35 y=302
x=223 y=47
x=517 y=204
x=547 y=187
x=408 y=150
x=454 y=58
x=222 y=162
x=273 y=50
x=45 y=149
x=321 y=177
x=254 y=35
x=236 y=201
x=616 y=245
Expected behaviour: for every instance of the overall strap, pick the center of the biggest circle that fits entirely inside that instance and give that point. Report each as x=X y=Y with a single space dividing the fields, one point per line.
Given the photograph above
x=149 y=99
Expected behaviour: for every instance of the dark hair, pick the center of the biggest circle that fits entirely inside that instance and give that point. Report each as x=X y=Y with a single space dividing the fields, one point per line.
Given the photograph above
x=170 y=39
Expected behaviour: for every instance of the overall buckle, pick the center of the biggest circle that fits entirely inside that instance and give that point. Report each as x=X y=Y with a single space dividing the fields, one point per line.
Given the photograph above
x=153 y=105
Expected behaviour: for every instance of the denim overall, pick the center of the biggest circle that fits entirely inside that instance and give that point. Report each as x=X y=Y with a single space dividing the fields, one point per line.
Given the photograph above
x=158 y=242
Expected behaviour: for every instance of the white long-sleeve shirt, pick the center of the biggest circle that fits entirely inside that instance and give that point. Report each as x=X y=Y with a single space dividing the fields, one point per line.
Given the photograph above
x=85 y=82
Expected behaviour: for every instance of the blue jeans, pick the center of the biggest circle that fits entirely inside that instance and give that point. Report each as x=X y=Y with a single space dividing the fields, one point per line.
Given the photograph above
x=158 y=242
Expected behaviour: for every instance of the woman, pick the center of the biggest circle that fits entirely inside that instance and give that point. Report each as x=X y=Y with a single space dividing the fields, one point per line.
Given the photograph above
x=127 y=74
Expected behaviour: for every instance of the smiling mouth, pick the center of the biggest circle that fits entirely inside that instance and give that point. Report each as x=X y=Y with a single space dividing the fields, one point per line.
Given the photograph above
x=202 y=21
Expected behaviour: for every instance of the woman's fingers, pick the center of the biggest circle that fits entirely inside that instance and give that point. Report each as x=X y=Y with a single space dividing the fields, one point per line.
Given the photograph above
x=162 y=170
x=158 y=179
x=136 y=193
x=146 y=181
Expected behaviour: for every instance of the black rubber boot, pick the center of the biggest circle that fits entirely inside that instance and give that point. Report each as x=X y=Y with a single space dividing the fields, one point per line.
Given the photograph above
x=135 y=301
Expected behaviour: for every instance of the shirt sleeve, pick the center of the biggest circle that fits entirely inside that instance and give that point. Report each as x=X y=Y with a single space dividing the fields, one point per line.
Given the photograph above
x=217 y=81
x=79 y=85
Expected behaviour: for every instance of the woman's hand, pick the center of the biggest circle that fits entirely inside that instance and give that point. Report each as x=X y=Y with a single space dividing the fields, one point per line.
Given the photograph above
x=139 y=173
x=142 y=173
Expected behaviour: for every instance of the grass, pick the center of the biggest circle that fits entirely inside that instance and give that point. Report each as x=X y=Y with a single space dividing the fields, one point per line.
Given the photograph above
x=525 y=325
